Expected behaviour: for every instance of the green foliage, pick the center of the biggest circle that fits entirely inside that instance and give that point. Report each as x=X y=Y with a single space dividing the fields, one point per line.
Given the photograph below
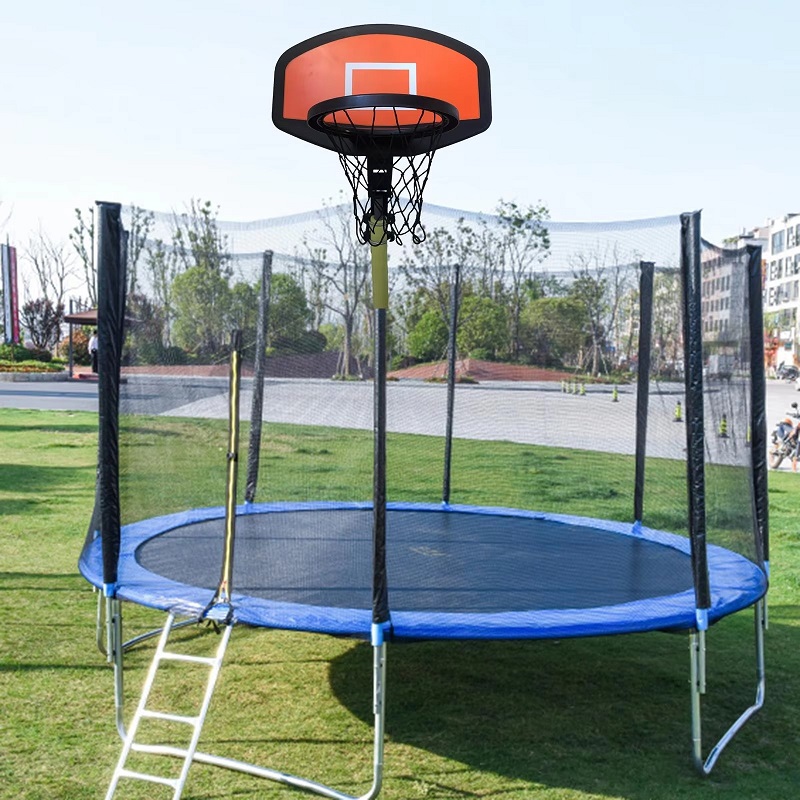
x=427 y=340
x=202 y=311
x=553 y=330
x=334 y=335
x=484 y=327
x=146 y=334
x=14 y=352
x=289 y=314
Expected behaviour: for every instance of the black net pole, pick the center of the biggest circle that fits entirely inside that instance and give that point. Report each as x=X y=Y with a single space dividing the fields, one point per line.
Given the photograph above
x=758 y=411
x=380 y=187
x=109 y=242
x=646 y=271
x=259 y=370
x=455 y=290
x=695 y=433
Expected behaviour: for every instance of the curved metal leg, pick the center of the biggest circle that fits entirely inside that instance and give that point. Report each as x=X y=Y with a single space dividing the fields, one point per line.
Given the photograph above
x=697 y=652
x=116 y=648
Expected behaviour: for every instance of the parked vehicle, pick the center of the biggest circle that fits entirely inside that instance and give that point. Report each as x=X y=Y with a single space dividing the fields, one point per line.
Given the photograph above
x=787 y=372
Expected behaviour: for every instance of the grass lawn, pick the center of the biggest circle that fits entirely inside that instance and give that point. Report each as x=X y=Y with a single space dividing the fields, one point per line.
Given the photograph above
x=542 y=720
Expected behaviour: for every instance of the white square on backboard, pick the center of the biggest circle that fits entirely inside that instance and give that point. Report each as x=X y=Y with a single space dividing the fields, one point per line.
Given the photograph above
x=351 y=66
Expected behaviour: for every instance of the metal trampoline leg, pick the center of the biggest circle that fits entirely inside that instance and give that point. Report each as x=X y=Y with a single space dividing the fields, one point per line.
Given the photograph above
x=379 y=705
x=698 y=687
x=114 y=653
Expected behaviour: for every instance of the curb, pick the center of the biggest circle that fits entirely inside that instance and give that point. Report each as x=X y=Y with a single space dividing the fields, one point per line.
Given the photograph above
x=33 y=377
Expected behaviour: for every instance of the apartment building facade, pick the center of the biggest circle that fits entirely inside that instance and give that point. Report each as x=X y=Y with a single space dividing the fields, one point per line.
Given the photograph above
x=781 y=255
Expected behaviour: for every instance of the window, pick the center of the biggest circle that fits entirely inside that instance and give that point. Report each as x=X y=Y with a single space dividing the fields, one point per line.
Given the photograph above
x=790 y=238
x=777 y=241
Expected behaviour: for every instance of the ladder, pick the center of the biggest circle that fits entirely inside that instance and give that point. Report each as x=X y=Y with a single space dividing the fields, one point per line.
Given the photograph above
x=194 y=723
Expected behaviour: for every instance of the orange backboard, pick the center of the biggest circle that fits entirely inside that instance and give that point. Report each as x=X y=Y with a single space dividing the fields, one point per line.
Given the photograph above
x=381 y=59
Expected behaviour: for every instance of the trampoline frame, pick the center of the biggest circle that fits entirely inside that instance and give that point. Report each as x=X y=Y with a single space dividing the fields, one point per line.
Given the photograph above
x=112 y=298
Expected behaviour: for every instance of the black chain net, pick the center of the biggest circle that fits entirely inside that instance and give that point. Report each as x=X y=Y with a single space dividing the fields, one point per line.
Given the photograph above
x=401 y=199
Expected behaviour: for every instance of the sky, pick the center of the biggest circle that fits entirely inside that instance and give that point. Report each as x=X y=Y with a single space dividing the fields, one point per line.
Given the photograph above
x=615 y=110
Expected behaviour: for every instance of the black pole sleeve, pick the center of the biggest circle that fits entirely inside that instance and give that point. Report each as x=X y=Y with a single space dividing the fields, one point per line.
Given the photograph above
x=758 y=381
x=646 y=272
x=109 y=257
x=455 y=291
x=259 y=371
x=691 y=274
x=380 y=589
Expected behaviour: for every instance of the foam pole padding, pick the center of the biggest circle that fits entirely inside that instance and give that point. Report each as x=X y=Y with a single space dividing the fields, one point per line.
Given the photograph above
x=380 y=265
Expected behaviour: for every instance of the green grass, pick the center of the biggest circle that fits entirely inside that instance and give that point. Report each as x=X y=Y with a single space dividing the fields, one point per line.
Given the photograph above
x=549 y=720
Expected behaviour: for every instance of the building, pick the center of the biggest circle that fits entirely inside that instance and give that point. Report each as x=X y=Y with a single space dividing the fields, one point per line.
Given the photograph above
x=782 y=287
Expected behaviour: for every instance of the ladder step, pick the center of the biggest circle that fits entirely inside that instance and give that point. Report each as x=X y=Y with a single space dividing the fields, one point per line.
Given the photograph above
x=208 y=661
x=143 y=776
x=169 y=717
x=160 y=750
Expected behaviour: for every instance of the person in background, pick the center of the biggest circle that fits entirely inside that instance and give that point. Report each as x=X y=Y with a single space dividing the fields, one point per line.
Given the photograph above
x=93 y=349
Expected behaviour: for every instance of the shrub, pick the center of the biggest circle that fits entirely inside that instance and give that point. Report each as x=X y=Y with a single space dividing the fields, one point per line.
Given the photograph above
x=482 y=354
x=80 y=347
x=14 y=352
x=39 y=354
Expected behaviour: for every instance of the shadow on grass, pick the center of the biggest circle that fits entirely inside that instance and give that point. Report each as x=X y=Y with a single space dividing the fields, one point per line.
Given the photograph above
x=605 y=716
x=37 y=581
x=39 y=480
x=20 y=668
x=68 y=427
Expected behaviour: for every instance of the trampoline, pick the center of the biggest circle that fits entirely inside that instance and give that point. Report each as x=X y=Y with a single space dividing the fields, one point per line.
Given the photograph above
x=387 y=571
x=455 y=572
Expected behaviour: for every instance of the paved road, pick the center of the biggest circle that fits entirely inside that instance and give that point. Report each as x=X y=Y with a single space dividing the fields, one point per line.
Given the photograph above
x=534 y=413
x=76 y=395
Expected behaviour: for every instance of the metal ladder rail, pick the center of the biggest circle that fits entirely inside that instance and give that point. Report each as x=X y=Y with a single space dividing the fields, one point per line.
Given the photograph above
x=142 y=712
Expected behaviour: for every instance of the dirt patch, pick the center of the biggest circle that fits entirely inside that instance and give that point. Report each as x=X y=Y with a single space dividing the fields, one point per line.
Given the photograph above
x=480 y=371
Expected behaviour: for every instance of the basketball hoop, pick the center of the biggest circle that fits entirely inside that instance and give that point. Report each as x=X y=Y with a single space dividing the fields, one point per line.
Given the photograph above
x=386 y=144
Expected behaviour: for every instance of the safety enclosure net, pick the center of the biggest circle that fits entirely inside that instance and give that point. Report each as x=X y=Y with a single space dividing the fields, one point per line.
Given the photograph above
x=598 y=388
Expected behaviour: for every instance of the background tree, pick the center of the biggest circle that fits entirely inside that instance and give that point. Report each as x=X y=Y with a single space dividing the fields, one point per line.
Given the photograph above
x=428 y=270
x=524 y=242
x=197 y=240
x=139 y=226
x=289 y=316
x=145 y=339
x=484 y=331
x=203 y=304
x=42 y=320
x=427 y=340
x=341 y=265
x=554 y=330
x=52 y=267
x=667 y=321
x=82 y=238
x=590 y=290
x=162 y=266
